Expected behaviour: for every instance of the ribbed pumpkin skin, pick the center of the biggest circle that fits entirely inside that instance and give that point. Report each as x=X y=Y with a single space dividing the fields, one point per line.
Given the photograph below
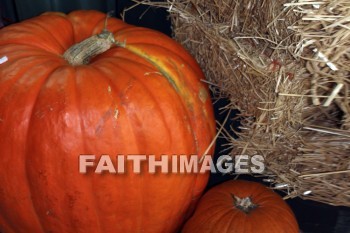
x=216 y=211
x=146 y=98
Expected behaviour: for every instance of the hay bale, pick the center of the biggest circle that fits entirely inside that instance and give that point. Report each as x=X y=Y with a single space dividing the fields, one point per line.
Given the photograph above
x=285 y=65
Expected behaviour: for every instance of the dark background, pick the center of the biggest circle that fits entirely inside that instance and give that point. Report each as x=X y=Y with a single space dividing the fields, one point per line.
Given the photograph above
x=313 y=217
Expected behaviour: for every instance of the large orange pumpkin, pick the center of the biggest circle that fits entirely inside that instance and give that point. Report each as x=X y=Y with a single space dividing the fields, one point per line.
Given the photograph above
x=144 y=97
x=241 y=207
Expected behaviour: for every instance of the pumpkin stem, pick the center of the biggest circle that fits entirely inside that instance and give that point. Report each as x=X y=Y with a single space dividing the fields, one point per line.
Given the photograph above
x=82 y=52
x=244 y=204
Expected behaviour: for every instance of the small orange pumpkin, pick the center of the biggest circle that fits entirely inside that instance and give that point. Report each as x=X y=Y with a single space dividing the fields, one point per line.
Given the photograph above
x=241 y=207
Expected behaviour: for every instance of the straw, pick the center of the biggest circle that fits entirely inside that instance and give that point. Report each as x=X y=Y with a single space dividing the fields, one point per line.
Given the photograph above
x=285 y=65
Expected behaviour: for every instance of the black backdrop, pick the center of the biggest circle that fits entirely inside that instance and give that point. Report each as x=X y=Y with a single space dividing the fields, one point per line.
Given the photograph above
x=313 y=217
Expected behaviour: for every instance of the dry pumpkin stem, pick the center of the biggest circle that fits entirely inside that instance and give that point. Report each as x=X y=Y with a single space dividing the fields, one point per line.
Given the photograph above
x=244 y=204
x=285 y=65
x=81 y=53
